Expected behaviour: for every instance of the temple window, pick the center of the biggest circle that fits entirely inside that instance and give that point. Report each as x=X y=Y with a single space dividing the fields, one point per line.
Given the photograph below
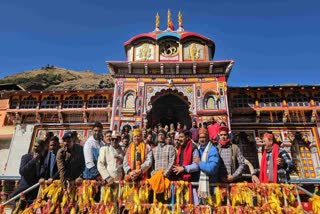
x=297 y=99
x=97 y=101
x=129 y=100
x=211 y=102
x=29 y=102
x=73 y=101
x=316 y=99
x=14 y=103
x=301 y=156
x=242 y=101
x=50 y=102
x=270 y=100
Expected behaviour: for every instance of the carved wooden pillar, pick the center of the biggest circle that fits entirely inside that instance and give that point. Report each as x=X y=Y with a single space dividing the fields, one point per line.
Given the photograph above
x=85 y=118
x=60 y=116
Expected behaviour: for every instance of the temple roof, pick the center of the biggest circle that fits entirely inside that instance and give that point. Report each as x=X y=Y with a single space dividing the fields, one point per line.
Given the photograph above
x=156 y=35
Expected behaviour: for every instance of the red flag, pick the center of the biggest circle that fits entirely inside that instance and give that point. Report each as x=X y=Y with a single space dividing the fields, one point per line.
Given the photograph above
x=171 y=26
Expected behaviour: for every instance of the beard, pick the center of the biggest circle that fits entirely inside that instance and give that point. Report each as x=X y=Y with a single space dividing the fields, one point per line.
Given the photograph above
x=97 y=137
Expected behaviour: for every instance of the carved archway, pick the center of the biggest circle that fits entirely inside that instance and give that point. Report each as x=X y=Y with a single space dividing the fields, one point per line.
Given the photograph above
x=169 y=106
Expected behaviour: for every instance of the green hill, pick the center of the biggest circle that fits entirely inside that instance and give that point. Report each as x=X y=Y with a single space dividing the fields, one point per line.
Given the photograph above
x=55 y=78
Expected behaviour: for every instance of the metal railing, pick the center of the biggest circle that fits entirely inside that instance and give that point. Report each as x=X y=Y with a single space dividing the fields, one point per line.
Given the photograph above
x=227 y=188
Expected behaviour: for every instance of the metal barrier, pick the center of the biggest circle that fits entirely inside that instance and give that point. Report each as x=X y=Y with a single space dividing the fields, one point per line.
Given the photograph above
x=22 y=193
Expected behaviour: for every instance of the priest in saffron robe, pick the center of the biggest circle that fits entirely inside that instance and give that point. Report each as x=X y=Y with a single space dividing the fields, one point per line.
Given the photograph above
x=138 y=158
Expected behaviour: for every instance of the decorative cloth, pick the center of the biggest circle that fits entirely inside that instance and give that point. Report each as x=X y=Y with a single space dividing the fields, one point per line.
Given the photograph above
x=158 y=182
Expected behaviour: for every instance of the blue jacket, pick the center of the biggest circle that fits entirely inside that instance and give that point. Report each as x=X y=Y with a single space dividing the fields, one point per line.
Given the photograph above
x=212 y=165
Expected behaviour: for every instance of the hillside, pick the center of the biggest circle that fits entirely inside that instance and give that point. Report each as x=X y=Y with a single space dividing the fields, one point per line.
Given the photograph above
x=55 y=78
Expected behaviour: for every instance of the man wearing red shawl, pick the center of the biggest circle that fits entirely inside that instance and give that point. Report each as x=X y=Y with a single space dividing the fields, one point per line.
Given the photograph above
x=185 y=168
x=138 y=158
x=276 y=164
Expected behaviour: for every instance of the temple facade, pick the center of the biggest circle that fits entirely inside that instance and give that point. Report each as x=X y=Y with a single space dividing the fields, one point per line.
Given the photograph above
x=169 y=76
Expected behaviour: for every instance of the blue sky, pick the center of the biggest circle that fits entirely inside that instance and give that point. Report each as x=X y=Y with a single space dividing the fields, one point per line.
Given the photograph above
x=272 y=41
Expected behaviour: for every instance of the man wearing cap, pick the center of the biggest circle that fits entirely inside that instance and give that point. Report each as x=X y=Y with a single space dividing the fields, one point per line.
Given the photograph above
x=110 y=160
x=70 y=160
x=91 y=152
x=138 y=158
x=276 y=164
x=208 y=163
x=30 y=170
x=231 y=158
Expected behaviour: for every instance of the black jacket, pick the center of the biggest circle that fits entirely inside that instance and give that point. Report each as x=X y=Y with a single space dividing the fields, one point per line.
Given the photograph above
x=31 y=170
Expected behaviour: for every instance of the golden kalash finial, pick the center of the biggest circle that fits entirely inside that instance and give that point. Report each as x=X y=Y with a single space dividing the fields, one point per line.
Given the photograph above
x=170 y=23
x=157 y=22
x=180 y=21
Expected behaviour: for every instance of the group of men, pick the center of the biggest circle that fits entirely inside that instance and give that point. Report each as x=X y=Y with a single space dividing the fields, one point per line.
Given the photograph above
x=105 y=158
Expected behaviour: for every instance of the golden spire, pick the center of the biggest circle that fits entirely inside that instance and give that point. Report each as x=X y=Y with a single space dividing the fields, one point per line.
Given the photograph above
x=169 y=18
x=180 y=19
x=157 y=21
x=170 y=23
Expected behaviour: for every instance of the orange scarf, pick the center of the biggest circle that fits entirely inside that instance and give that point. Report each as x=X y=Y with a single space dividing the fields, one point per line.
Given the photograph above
x=134 y=161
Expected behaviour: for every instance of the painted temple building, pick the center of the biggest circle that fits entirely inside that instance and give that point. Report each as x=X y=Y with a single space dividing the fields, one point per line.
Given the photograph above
x=169 y=76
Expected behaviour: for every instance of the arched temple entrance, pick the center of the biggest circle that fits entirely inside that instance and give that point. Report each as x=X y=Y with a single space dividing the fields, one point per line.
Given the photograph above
x=169 y=108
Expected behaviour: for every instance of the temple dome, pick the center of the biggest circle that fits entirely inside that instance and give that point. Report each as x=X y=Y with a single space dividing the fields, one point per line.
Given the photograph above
x=169 y=45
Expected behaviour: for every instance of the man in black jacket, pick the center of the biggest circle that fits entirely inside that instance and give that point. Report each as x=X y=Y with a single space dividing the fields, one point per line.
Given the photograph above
x=70 y=160
x=31 y=169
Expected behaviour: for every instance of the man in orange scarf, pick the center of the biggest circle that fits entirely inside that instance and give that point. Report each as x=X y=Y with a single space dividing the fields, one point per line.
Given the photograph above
x=276 y=164
x=138 y=158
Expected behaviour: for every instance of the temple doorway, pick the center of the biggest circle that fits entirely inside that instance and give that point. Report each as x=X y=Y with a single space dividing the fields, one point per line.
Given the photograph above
x=169 y=109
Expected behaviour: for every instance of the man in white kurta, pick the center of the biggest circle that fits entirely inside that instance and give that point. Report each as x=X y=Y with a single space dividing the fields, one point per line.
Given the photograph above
x=91 y=152
x=110 y=160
